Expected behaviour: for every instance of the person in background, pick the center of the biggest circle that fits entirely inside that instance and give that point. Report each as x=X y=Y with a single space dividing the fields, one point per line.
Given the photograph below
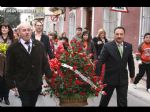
x=86 y=29
x=63 y=34
x=26 y=63
x=16 y=35
x=99 y=41
x=40 y=36
x=88 y=45
x=116 y=55
x=51 y=37
x=78 y=34
x=144 y=66
x=63 y=43
x=55 y=41
x=6 y=36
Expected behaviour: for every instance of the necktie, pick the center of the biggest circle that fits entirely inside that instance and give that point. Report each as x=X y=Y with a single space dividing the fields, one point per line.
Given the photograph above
x=28 y=44
x=120 y=48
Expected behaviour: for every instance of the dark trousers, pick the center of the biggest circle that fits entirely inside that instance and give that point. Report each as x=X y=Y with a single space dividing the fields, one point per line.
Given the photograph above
x=29 y=98
x=4 y=90
x=142 y=69
x=121 y=95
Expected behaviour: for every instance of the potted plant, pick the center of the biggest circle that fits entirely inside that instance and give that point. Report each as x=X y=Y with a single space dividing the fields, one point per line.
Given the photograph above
x=74 y=79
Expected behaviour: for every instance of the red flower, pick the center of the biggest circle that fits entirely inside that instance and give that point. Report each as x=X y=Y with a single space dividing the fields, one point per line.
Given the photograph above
x=98 y=89
x=90 y=55
x=79 y=50
x=65 y=81
x=95 y=78
x=74 y=68
x=54 y=64
x=104 y=93
x=72 y=54
x=96 y=94
x=82 y=93
x=67 y=54
x=78 y=82
x=82 y=55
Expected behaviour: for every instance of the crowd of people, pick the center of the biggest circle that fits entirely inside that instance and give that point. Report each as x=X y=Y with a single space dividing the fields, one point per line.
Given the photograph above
x=27 y=58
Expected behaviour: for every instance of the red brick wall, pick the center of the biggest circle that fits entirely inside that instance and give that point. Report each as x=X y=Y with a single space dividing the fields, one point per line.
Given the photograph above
x=66 y=22
x=98 y=21
x=78 y=17
x=131 y=22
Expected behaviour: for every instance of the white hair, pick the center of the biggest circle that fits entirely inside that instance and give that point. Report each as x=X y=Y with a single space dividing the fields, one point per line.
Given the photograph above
x=23 y=24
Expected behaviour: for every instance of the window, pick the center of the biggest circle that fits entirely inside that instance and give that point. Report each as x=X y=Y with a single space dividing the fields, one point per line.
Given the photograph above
x=112 y=19
x=61 y=23
x=145 y=22
x=72 y=24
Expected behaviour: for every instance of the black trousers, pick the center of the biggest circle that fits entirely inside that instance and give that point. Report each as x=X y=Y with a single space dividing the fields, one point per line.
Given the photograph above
x=121 y=95
x=142 y=69
x=4 y=90
x=29 y=98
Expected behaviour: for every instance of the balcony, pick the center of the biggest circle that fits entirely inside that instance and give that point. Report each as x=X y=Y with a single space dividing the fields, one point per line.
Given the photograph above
x=39 y=15
x=57 y=10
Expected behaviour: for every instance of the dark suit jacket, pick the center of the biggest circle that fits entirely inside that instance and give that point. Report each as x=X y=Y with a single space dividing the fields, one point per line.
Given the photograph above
x=46 y=42
x=116 y=67
x=98 y=47
x=26 y=69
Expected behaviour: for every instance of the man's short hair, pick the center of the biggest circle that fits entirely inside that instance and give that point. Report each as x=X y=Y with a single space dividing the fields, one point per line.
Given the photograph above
x=22 y=24
x=79 y=28
x=146 y=34
x=119 y=27
x=37 y=22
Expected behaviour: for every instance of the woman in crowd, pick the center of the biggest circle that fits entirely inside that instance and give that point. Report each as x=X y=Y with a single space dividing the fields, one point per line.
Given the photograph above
x=88 y=45
x=63 y=34
x=6 y=36
x=99 y=41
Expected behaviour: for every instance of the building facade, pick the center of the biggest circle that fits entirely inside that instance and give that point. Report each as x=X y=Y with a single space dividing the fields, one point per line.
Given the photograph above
x=136 y=22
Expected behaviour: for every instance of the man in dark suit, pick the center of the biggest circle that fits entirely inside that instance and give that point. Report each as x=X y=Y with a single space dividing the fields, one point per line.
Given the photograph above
x=39 y=35
x=116 y=55
x=26 y=62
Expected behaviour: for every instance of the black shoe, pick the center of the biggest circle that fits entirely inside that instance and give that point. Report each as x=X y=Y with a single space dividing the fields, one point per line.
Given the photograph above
x=7 y=102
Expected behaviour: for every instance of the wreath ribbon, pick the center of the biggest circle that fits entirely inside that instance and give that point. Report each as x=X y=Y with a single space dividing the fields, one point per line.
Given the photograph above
x=80 y=75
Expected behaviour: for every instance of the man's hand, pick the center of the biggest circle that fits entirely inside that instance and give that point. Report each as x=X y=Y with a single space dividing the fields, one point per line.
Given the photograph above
x=132 y=79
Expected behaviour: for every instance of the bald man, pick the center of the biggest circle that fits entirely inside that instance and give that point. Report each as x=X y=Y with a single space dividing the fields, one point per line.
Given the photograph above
x=26 y=64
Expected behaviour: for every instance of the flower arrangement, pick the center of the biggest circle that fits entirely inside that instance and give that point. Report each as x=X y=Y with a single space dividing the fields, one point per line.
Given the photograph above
x=3 y=48
x=73 y=73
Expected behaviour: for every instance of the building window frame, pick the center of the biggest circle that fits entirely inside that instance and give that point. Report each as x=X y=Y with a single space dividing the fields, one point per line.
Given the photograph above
x=111 y=20
x=72 y=23
x=144 y=22
x=61 y=23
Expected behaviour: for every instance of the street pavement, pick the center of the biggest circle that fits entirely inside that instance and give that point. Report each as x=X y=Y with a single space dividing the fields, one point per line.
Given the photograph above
x=136 y=97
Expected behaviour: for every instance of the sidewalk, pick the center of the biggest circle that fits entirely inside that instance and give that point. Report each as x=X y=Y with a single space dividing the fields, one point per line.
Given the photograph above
x=140 y=92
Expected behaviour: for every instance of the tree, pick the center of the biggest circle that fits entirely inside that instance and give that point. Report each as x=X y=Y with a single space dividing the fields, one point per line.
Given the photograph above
x=1 y=17
x=11 y=16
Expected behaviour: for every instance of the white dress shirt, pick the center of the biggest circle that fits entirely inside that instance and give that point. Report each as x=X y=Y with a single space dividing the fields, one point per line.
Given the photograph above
x=25 y=45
